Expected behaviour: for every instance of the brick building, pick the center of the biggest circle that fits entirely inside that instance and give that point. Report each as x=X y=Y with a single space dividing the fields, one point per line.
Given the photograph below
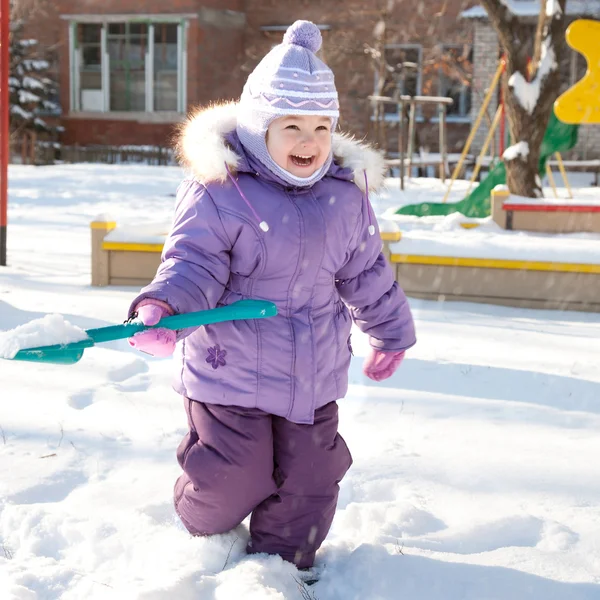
x=129 y=71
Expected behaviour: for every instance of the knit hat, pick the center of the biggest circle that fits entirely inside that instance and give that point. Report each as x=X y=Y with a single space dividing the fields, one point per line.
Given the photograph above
x=289 y=80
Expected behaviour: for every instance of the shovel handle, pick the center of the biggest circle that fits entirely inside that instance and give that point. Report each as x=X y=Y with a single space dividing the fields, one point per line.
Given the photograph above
x=71 y=353
x=240 y=310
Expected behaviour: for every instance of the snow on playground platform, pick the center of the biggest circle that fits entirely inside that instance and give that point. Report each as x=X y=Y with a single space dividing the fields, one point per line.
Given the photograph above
x=475 y=470
x=444 y=236
x=144 y=233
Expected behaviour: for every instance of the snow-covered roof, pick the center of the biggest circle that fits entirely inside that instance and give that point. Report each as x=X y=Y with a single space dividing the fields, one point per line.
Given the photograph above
x=531 y=8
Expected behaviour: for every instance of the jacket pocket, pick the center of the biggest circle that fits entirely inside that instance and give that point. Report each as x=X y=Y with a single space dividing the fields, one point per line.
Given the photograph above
x=343 y=324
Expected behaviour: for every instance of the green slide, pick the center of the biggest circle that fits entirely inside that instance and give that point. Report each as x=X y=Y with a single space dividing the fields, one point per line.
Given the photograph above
x=559 y=137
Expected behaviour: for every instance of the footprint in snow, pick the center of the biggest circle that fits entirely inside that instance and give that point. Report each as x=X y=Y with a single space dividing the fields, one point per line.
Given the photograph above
x=52 y=490
x=81 y=399
x=515 y=531
x=137 y=366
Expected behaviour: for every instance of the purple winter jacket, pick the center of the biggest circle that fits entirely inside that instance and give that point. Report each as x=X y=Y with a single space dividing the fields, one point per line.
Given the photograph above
x=317 y=263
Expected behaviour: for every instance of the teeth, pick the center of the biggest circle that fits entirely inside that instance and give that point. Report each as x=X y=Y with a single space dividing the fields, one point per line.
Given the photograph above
x=300 y=156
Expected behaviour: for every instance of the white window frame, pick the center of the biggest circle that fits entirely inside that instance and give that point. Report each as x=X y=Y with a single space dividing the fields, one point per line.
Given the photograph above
x=75 y=84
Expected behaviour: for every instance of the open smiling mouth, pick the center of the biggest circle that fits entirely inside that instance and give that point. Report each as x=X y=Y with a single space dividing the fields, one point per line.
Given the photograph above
x=302 y=161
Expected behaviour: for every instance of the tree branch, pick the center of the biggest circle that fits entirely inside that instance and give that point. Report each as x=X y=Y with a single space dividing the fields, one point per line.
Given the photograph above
x=548 y=27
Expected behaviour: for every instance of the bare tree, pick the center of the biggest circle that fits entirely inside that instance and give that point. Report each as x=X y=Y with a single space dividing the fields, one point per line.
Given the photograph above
x=28 y=9
x=368 y=35
x=531 y=85
x=445 y=47
x=382 y=68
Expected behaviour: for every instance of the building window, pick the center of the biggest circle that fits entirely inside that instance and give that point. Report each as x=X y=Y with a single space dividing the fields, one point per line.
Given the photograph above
x=454 y=71
x=127 y=53
x=89 y=39
x=128 y=67
x=404 y=73
x=166 y=61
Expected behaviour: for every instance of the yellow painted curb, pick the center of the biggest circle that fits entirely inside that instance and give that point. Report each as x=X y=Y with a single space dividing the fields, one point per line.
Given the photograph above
x=103 y=225
x=469 y=225
x=492 y=263
x=391 y=236
x=132 y=247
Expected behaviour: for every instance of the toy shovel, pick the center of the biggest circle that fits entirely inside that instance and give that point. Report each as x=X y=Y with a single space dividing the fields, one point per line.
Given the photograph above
x=68 y=354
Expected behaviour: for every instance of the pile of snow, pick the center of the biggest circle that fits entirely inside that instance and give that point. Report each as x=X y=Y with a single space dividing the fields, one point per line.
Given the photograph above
x=141 y=233
x=47 y=331
x=520 y=150
x=445 y=237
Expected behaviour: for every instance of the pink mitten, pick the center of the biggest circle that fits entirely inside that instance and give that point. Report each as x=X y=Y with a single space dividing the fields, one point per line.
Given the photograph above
x=157 y=342
x=380 y=365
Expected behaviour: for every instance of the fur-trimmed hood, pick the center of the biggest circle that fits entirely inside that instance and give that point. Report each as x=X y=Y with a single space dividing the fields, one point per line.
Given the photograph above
x=203 y=149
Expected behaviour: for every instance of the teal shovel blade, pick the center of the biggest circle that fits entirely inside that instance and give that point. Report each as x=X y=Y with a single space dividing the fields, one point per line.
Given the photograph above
x=68 y=354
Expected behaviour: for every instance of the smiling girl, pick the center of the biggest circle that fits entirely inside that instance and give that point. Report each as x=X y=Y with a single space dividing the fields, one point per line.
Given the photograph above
x=300 y=144
x=276 y=208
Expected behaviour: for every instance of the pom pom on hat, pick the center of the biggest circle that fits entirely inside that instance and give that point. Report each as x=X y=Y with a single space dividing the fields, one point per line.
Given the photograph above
x=305 y=34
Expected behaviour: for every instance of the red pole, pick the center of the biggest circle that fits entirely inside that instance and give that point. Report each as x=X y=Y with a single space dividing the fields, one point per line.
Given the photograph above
x=503 y=114
x=4 y=127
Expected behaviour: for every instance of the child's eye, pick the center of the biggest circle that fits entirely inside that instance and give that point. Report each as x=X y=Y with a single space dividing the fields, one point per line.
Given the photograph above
x=322 y=128
x=293 y=127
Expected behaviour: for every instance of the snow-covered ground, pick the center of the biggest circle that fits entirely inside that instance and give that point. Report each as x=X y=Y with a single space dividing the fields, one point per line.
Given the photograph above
x=475 y=476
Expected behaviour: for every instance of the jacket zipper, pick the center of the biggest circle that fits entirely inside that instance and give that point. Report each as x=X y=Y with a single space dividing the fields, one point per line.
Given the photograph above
x=292 y=285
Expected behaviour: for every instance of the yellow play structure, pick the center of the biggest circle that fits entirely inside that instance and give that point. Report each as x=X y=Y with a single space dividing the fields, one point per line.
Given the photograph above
x=581 y=103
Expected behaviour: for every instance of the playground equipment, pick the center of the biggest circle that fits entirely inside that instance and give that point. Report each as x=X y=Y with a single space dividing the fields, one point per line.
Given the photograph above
x=577 y=105
x=413 y=101
x=559 y=137
x=542 y=270
x=580 y=104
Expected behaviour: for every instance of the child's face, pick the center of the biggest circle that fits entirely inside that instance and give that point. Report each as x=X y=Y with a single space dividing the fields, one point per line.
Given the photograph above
x=300 y=144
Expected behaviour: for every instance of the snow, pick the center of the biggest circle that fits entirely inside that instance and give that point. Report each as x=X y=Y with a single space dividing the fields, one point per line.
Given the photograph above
x=528 y=92
x=444 y=236
x=520 y=150
x=554 y=201
x=531 y=8
x=143 y=233
x=488 y=241
x=35 y=64
x=32 y=83
x=474 y=470
x=26 y=97
x=553 y=8
x=47 y=331
x=15 y=109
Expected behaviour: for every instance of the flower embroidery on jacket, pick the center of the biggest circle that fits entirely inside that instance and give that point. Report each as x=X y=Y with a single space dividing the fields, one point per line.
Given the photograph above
x=216 y=356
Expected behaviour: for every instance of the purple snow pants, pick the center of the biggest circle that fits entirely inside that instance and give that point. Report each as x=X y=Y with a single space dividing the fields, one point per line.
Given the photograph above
x=238 y=461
